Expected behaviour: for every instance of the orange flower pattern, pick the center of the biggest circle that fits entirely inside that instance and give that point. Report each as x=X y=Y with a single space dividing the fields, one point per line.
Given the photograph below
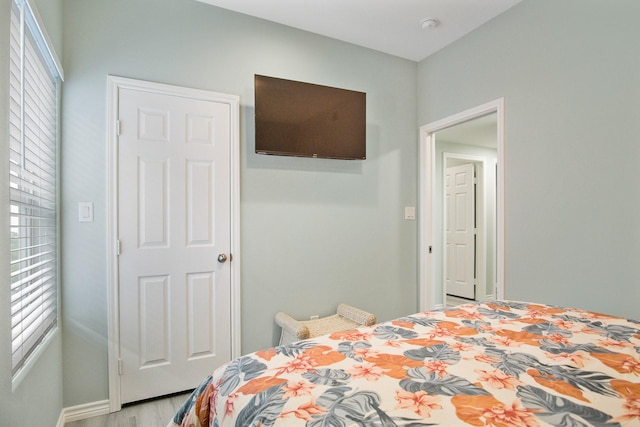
x=498 y=379
x=509 y=416
x=632 y=411
x=304 y=411
x=500 y=364
x=420 y=402
x=299 y=388
x=368 y=371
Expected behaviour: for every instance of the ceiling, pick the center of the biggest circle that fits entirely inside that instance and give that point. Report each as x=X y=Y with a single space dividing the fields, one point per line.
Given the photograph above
x=389 y=26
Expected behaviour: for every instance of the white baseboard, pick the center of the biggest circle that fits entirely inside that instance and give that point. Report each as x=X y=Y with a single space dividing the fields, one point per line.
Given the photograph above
x=60 y=422
x=82 y=412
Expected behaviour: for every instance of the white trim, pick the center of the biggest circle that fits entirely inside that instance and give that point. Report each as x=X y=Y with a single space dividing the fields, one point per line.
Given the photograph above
x=30 y=21
x=47 y=45
x=33 y=358
x=82 y=412
x=427 y=177
x=114 y=85
x=113 y=325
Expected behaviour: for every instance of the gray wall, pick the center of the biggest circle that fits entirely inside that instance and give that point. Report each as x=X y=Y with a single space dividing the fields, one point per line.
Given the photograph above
x=570 y=75
x=314 y=232
x=38 y=398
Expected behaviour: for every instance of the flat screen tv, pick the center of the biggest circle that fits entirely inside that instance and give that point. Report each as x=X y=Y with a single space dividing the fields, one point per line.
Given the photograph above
x=308 y=120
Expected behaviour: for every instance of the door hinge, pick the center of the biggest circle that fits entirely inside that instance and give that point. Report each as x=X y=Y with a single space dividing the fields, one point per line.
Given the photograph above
x=117 y=127
x=119 y=366
x=118 y=248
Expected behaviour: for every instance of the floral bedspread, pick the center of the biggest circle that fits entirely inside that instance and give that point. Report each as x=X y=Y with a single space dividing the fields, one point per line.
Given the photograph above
x=500 y=363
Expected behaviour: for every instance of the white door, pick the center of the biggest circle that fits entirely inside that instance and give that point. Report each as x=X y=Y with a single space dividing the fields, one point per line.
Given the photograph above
x=173 y=222
x=460 y=231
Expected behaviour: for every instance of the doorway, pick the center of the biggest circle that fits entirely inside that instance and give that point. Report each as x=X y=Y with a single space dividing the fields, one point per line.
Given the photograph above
x=473 y=137
x=173 y=229
x=468 y=221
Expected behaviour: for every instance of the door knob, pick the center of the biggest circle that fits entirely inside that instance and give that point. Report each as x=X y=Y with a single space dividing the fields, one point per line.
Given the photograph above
x=222 y=258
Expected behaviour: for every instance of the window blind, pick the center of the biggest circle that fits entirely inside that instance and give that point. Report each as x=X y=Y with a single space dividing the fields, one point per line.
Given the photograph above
x=32 y=181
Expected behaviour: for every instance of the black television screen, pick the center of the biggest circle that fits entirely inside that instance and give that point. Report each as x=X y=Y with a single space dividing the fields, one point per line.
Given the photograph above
x=308 y=120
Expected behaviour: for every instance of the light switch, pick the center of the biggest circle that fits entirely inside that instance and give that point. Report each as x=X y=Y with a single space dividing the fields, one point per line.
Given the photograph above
x=85 y=211
x=410 y=213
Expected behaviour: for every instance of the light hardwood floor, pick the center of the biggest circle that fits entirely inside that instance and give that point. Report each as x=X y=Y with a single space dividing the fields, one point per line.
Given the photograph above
x=454 y=301
x=153 y=413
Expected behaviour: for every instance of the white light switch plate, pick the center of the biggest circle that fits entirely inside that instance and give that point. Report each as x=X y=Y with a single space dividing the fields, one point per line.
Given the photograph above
x=410 y=213
x=85 y=212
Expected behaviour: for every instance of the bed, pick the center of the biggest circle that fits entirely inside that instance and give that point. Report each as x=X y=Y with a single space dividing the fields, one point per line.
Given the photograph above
x=500 y=363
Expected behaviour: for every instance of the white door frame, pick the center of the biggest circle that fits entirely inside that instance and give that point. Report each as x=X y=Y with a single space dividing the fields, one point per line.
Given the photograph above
x=426 y=225
x=114 y=85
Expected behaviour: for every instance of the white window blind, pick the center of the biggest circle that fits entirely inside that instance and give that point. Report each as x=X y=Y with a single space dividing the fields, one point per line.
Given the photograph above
x=32 y=154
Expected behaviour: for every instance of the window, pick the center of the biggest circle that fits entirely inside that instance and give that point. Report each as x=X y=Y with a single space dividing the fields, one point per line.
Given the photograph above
x=34 y=77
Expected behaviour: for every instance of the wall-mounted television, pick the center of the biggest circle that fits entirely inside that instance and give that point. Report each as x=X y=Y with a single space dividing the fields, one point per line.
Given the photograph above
x=309 y=120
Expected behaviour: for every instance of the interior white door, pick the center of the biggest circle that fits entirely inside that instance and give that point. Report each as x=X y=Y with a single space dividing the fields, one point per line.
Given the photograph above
x=460 y=231
x=173 y=223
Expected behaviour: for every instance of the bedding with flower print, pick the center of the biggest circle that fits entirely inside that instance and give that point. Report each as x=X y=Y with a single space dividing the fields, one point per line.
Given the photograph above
x=499 y=363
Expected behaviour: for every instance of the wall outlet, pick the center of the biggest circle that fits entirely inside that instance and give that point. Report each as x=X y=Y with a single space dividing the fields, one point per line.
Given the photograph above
x=314 y=317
